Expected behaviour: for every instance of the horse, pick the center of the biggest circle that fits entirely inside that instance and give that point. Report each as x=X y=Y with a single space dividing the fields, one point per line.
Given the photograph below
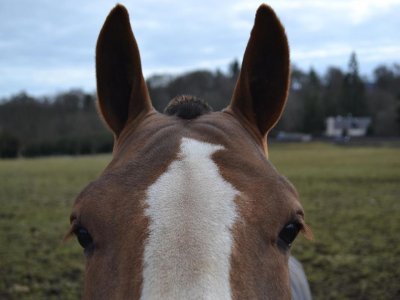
x=190 y=207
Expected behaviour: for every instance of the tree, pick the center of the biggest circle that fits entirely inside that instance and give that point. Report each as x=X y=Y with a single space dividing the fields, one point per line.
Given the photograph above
x=9 y=145
x=387 y=105
x=333 y=79
x=353 y=99
x=313 y=118
x=234 y=69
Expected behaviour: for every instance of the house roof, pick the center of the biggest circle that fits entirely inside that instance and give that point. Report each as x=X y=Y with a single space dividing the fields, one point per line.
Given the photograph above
x=351 y=122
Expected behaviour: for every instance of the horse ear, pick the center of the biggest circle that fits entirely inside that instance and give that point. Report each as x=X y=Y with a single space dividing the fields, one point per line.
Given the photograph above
x=121 y=89
x=261 y=90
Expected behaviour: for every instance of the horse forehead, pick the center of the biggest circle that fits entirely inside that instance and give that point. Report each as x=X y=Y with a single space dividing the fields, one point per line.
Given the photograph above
x=147 y=152
x=152 y=147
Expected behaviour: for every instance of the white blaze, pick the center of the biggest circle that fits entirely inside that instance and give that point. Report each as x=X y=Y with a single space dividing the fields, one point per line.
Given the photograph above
x=191 y=210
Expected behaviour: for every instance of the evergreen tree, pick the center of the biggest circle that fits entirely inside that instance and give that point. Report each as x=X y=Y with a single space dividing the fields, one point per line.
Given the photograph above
x=313 y=118
x=353 y=99
x=234 y=69
x=332 y=92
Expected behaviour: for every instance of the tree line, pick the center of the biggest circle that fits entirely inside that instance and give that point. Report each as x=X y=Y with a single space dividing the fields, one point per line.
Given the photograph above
x=68 y=123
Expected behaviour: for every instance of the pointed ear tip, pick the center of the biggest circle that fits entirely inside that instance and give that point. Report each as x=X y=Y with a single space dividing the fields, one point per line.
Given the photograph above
x=265 y=11
x=117 y=17
x=119 y=7
x=119 y=10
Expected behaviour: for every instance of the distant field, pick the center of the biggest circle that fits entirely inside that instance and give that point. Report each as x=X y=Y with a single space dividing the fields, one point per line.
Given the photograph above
x=351 y=196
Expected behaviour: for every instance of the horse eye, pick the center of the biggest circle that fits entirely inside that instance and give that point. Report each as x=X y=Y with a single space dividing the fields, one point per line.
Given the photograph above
x=289 y=233
x=84 y=238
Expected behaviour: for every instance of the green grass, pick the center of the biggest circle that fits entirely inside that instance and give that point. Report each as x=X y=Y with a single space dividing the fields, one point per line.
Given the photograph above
x=351 y=197
x=36 y=198
x=352 y=201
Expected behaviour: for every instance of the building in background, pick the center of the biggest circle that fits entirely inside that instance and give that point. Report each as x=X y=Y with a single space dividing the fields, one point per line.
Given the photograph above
x=349 y=126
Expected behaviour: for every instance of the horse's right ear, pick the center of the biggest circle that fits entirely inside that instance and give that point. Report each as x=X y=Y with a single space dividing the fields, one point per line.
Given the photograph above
x=121 y=89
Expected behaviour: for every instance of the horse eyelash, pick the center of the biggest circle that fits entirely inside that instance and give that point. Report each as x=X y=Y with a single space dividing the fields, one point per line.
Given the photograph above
x=307 y=231
x=70 y=232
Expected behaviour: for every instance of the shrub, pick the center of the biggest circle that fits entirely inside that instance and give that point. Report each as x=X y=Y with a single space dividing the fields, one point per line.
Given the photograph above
x=9 y=145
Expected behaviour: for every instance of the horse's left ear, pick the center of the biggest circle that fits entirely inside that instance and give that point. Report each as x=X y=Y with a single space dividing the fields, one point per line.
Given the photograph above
x=121 y=89
x=261 y=90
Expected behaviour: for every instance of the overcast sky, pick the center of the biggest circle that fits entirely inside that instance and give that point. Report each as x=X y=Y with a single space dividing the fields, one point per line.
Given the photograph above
x=47 y=46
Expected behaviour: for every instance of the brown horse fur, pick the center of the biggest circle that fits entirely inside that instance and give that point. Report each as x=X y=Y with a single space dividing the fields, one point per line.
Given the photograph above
x=112 y=208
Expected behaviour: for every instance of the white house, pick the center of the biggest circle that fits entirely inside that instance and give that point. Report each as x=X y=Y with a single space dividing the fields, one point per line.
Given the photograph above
x=347 y=126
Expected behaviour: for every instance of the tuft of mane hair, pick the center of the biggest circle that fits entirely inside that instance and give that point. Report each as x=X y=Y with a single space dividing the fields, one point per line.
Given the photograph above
x=187 y=107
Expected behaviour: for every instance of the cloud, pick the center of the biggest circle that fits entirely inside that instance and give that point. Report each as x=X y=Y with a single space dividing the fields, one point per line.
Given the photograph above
x=353 y=11
x=45 y=80
x=54 y=41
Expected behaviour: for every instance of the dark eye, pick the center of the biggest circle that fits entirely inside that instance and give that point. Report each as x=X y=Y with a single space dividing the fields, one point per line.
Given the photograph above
x=84 y=238
x=288 y=234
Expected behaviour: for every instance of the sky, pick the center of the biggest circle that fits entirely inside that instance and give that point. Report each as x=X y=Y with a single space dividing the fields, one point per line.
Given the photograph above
x=47 y=46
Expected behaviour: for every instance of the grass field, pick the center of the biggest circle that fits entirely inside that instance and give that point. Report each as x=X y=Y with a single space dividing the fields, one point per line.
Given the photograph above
x=351 y=196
